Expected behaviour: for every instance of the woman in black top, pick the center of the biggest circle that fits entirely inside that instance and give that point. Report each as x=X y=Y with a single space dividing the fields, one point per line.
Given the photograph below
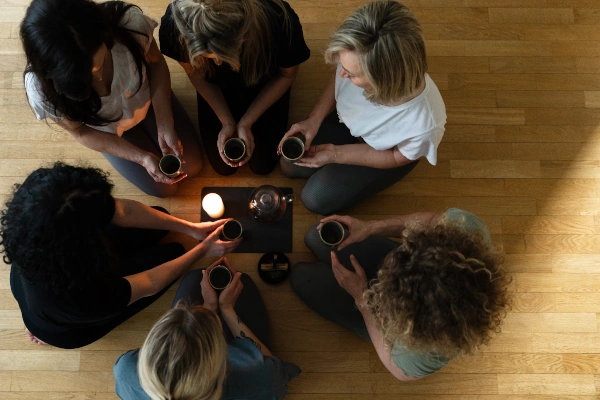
x=83 y=261
x=242 y=57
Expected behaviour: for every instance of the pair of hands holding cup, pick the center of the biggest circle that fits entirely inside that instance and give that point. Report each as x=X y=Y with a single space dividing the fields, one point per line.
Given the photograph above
x=227 y=298
x=314 y=156
x=169 y=143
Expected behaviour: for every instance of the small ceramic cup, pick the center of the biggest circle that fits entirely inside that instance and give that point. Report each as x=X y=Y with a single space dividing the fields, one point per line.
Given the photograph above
x=332 y=233
x=232 y=230
x=234 y=149
x=219 y=277
x=170 y=165
x=292 y=148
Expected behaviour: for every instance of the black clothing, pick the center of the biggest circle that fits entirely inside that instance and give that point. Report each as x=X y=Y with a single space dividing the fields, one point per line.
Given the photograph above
x=78 y=319
x=289 y=49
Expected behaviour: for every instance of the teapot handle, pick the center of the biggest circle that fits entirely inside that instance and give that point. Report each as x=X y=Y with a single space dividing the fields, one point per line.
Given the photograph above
x=288 y=198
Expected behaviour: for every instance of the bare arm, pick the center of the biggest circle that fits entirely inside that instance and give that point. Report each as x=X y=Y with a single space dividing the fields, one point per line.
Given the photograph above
x=382 y=347
x=239 y=329
x=310 y=126
x=269 y=94
x=393 y=227
x=366 y=156
x=160 y=92
x=103 y=142
x=133 y=214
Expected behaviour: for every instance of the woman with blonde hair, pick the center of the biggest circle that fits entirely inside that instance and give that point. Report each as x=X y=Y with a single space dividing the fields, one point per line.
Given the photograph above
x=389 y=112
x=190 y=354
x=242 y=56
x=438 y=293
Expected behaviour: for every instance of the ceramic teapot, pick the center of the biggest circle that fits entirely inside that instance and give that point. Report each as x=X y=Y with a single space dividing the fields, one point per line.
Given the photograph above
x=268 y=204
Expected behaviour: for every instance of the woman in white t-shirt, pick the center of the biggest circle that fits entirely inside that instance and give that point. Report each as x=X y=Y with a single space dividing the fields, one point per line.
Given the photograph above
x=389 y=112
x=95 y=70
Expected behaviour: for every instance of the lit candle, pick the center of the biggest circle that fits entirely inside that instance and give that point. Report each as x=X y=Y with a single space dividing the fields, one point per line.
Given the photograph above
x=213 y=205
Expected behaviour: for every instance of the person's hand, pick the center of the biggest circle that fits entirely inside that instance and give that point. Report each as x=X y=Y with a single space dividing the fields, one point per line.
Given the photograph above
x=150 y=162
x=209 y=294
x=169 y=143
x=230 y=294
x=308 y=128
x=358 y=230
x=226 y=132
x=216 y=247
x=317 y=156
x=245 y=133
x=200 y=230
x=354 y=283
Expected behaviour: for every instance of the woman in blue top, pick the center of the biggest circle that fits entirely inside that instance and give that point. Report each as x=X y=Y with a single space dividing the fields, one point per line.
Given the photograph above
x=189 y=355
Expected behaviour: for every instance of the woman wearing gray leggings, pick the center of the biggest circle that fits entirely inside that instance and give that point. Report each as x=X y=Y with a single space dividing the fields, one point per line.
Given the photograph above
x=389 y=112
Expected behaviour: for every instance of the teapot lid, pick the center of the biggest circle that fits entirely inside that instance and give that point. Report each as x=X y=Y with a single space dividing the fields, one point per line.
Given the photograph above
x=266 y=199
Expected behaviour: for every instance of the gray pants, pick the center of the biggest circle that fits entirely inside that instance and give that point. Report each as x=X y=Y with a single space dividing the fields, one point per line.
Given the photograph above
x=335 y=187
x=145 y=136
x=317 y=287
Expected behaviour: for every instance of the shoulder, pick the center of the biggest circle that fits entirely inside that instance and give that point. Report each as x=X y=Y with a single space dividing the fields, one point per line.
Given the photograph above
x=127 y=383
x=251 y=373
x=469 y=221
x=416 y=364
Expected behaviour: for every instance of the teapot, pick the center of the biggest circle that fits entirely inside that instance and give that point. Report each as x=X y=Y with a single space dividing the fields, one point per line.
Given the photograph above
x=268 y=204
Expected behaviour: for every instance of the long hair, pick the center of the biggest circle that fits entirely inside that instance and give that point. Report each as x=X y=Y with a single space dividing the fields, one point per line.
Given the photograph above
x=52 y=228
x=238 y=32
x=388 y=40
x=442 y=290
x=60 y=38
x=184 y=357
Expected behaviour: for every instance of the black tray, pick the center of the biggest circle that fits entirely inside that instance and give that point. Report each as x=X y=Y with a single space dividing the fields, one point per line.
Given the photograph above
x=261 y=238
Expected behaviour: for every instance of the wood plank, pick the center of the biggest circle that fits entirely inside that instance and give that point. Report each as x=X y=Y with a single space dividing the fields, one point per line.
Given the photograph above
x=554 y=282
x=550 y=322
x=508 y=363
x=530 y=98
x=531 y=15
x=495 y=169
x=39 y=360
x=548 y=224
x=546 y=384
x=53 y=381
x=551 y=187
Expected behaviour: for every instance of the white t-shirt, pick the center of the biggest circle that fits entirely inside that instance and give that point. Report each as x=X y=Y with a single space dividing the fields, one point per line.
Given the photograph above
x=415 y=127
x=124 y=97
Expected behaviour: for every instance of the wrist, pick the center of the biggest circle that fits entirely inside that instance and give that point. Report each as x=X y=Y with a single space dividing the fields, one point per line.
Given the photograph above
x=227 y=311
x=245 y=122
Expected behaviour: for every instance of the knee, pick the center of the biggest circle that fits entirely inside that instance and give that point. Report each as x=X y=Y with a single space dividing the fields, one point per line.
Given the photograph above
x=317 y=198
x=194 y=167
x=262 y=167
x=162 y=190
x=311 y=237
x=300 y=277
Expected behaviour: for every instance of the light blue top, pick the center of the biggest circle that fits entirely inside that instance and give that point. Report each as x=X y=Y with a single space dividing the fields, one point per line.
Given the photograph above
x=250 y=375
x=420 y=364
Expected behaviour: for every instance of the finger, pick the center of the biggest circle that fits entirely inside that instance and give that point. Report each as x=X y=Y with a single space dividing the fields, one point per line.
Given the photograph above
x=229 y=266
x=179 y=178
x=359 y=270
x=213 y=265
x=346 y=242
x=216 y=232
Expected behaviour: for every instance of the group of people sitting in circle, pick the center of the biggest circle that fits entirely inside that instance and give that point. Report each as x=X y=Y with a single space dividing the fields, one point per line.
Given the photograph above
x=84 y=261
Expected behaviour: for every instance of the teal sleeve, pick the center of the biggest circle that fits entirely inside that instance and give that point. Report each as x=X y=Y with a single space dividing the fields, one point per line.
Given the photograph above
x=416 y=364
x=469 y=221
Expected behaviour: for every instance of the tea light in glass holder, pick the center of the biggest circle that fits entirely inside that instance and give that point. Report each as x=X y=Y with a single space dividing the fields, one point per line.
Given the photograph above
x=213 y=205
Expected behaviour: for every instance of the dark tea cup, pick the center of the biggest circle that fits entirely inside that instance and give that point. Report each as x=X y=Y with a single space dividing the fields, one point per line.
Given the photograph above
x=234 y=149
x=332 y=233
x=231 y=230
x=292 y=148
x=219 y=277
x=170 y=165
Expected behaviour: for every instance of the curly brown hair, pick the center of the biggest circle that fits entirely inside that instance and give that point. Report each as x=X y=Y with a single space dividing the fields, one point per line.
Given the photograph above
x=443 y=290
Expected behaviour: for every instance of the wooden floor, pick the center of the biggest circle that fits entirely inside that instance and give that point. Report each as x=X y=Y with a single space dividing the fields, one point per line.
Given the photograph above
x=521 y=82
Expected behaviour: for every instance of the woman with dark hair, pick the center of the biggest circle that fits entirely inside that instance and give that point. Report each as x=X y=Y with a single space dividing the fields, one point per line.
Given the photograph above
x=96 y=70
x=436 y=294
x=83 y=261
x=242 y=56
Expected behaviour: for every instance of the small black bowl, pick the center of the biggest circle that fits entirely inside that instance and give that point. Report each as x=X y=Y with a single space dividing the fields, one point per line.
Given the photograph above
x=274 y=267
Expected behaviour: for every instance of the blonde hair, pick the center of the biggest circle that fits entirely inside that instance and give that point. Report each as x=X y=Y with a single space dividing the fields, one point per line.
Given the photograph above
x=388 y=40
x=443 y=290
x=184 y=356
x=238 y=32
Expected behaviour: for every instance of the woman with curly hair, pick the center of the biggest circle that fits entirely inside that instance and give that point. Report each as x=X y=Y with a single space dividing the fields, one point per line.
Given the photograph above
x=96 y=71
x=83 y=261
x=437 y=293
x=379 y=114
x=242 y=56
